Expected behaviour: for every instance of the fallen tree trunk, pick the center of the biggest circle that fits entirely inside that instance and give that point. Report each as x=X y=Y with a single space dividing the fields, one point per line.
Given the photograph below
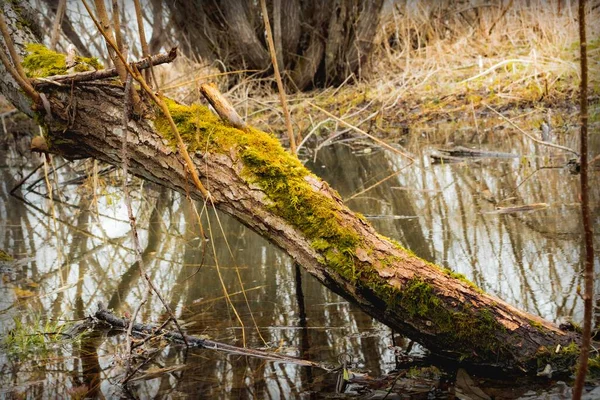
x=251 y=177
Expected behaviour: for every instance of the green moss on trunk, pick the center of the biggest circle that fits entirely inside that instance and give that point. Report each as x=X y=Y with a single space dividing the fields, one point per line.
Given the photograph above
x=278 y=173
x=561 y=358
x=462 y=326
x=41 y=62
x=4 y=256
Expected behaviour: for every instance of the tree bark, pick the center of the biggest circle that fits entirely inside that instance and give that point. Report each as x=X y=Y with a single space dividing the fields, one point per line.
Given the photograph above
x=250 y=177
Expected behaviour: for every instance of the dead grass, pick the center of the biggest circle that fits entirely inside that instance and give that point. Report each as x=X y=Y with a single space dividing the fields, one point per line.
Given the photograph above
x=435 y=63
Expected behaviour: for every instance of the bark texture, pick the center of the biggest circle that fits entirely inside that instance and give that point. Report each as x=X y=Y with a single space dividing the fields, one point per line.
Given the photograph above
x=253 y=179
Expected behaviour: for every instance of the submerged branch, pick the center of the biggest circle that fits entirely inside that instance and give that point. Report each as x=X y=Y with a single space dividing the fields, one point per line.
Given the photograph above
x=147 y=330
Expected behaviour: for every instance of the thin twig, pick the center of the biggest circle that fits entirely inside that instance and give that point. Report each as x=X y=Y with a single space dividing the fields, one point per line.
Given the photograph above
x=106 y=30
x=103 y=73
x=132 y=223
x=145 y=330
x=281 y=89
x=376 y=184
x=142 y=33
x=116 y=16
x=11 y=48
x=237 y=271
x=127 y=200
x=214 y=250
x=313 y=130
x=588 y=234
x=556 y=146
x=22 y=181
x=494 y=67
x=509 y=5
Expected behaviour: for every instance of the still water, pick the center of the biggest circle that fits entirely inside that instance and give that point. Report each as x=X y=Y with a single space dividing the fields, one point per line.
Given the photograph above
x=77 y=251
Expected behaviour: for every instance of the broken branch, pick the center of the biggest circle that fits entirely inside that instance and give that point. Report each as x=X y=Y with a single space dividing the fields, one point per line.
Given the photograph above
x=222 y=106
x=86 y=76
x=146 y=330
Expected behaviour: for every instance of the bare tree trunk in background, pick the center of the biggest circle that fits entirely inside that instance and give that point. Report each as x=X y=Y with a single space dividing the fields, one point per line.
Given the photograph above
x=320 y=42
x=156 y=40
x=260 y=184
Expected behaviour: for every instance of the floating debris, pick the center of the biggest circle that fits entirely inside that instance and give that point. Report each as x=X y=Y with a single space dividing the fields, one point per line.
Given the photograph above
x=519 y=209
x=460 y=153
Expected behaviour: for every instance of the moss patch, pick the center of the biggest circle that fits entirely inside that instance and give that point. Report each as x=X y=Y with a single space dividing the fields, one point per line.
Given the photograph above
x=41 y=62
x=537 y=325
x=594 y=367
x=472 y=328
x=459 y=276
x=563 y=360
x=4 y=256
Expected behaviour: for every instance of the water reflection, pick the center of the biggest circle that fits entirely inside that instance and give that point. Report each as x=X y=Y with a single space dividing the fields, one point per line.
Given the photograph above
x=445 y=213
x=441 y=212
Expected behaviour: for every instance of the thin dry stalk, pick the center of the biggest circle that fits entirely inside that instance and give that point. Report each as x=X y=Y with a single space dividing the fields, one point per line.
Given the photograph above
x=239 y=277
x=48 y=161
x=204 y=77
x=60 y=12
x=495 y=67
x=105 y=27
x=312 y=131
x=588 y=233
x=281 y=89
x=142 y=33
x=223 y=286
x=356 y=129
x=116 y=14
x=123 y=51
x=127 y=199
x=11 y=47
x=132 y=221
x=390 y=176
x=506 y=8
x=556 y=146
x=23 y=84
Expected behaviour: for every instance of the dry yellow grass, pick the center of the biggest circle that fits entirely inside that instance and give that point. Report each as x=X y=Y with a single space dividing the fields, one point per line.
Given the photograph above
x=437 y=64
